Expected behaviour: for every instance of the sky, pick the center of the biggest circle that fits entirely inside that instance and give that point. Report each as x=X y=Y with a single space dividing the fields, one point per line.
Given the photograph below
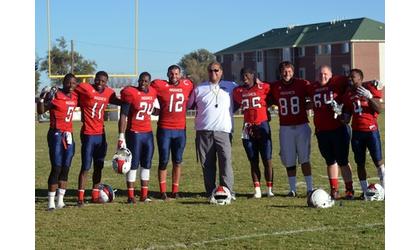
x=103 y=30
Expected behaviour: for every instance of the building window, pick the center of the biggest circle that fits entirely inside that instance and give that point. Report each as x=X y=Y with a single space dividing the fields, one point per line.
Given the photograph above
x=301 y=51
x=345 y=48
x=259 y=56
x=319 y=49
x=302 y=73
x=345 y=69
x=286 y=54
x=327 y=49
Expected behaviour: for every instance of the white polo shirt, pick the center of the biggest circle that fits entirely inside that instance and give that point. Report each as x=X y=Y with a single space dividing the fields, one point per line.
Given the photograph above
x=214 y=105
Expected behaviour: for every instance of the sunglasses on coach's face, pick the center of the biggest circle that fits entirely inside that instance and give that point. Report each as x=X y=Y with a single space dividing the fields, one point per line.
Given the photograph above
x=214 y=70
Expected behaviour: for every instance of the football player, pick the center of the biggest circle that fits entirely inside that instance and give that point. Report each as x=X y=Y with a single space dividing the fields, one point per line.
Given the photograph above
x=93 y=100
x=361 y=101
x=171 y=136
x=256 y=135
x=290 y=94
x=332 y=134
x=60 y=136
x=138 y=108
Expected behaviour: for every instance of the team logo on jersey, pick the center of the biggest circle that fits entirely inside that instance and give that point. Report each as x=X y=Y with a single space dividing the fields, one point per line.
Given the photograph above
x=186 y=82
x=260 y=86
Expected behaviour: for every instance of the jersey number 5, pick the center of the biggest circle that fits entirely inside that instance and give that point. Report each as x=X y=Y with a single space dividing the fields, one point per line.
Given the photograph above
x=176 y=105
x=69 y=114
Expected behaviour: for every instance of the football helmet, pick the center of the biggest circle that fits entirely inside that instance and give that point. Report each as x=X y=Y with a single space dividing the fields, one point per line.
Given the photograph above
x=106 y=193
x=221 y=196
x=375 y=192
x=121 y=162
x=318 y=198
x=48 y=93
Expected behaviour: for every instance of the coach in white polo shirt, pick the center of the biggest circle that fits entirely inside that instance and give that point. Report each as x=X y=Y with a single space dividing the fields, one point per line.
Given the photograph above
x=213 y=124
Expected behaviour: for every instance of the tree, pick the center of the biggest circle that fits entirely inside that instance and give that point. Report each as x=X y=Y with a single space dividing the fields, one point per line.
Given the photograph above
x=37 y=75
x=61 y=61
x=195 y=64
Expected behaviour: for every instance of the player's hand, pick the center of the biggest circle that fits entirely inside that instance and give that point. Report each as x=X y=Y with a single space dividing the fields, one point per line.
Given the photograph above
x=337 y=108
x=45 y=90
x=121 y=141
x=364 y=92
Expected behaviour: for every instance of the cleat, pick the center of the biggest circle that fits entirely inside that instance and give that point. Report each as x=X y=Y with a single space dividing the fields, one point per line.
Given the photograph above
x=270 y=194
x=175 y=195
x=163 y=196
x=131 y=201
x=233 y=197
x=80 y=203
x=257 y=194
x=145 y=199
x=292 y=194
x=50 y=209
x=349 y=195
x=334 y=194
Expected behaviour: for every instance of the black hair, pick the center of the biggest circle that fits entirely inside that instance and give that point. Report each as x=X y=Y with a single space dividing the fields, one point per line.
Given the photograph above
x=250 y=71
x=101 y=73
x=358 y=71
x=286 y=64
x=145 y=74
x=174 y=66
x=67 y=77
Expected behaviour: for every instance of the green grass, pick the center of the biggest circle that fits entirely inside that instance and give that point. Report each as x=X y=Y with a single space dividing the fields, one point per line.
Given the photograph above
x=276 y=223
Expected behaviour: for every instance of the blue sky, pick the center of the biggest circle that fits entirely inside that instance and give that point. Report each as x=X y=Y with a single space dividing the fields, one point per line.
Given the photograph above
x=103 y=30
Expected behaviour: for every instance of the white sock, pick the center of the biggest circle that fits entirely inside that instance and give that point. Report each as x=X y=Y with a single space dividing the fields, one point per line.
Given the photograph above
x=381 y=174
x=364 y=186
x=292 y=183
x=51 y=196
x=61 y=193
x=270 y=189
x=308 y=180
x=257 y=189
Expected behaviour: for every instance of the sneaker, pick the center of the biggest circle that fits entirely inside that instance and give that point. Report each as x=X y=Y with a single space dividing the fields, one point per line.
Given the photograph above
x=131 y=201
x=145 y=199
x=175 y=195
x=292 y=194
x=233 y=197
x=270 y=194
x=61 y=205
x=334 y=194
x=349 y=195
x=257 y=195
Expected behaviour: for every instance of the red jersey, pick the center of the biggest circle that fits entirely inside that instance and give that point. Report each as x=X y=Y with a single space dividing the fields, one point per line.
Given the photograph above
x=364 y=118
x=253 y=102
x=141 y=108
x=61 y=111
x=173 y=101
x=322 y=97
x=93 y=104
x=290 y=99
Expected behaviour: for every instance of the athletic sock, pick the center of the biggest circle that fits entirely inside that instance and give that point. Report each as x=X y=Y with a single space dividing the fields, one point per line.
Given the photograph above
x=334 y=184
x=257 y=184
x=292 y=183
x=381 y=174
x=80 y=195
x=162 y=186
x=144 y=191
x=364 y=185
x=51 y=196
x=95 y=194
x=60 y=196
x=308 y=180
x=130 y=193
x=175 y=188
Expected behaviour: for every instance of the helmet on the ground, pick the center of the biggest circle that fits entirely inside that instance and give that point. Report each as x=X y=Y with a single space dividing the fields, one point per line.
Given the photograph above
x=375 y=192
x=320 y=198
x=106 y=193
x=221 y=196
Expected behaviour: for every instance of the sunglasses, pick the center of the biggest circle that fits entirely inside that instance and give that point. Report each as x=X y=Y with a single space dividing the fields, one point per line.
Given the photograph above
x=214 y=70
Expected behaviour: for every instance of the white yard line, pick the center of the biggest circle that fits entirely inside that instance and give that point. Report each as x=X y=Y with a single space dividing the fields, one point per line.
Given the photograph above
x=298 y=231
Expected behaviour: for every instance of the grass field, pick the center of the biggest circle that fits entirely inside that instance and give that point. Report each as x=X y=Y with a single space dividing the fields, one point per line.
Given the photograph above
x=267 y=223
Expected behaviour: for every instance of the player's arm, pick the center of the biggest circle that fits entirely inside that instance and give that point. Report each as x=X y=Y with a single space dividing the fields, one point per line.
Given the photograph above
x=113 y=99
x=44 y=101
x=122 y=124
x=237 y=100
x=373 y=101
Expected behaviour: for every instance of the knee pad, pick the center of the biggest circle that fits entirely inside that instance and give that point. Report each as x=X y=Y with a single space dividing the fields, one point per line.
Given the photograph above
x=53 y=178
x=144 y=174
x=131 y=176
x=64 y=174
